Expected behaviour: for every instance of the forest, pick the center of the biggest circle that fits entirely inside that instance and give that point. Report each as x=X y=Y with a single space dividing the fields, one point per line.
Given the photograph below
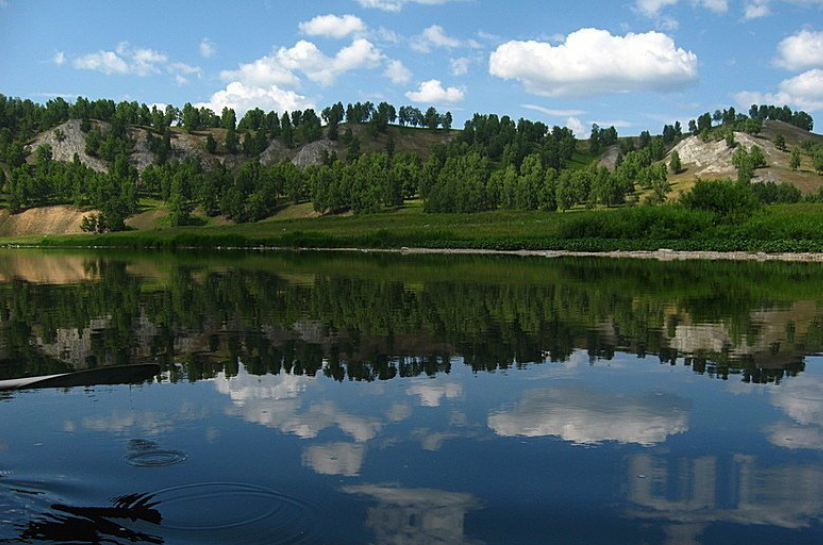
x=494 y=162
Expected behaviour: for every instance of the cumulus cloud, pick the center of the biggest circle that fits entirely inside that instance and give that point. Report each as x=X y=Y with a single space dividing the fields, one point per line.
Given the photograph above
x=397 y=5
x=59 y=58
x=593 y=62
x=263 y=72
x=801 y=51
x=333 y=26
x=307 y=58
x=107 y=62
x=243 y=97
x=207 y=48
x=459 y=66
x=577 y=127
x=397 y=72
x=433 y=92
x=804 y=91
x=182 y=71
x=584 y=417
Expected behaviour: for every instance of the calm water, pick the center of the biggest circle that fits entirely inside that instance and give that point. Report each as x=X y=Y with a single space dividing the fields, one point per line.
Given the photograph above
x=367 y=399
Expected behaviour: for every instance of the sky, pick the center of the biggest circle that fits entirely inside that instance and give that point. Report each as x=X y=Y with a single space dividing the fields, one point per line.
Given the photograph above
x=634 y=64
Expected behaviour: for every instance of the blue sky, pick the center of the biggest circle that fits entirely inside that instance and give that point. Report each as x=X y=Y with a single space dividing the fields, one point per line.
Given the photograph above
x=634 y=63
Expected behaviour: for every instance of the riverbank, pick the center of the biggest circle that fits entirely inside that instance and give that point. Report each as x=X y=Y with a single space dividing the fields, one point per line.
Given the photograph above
x=785 y=232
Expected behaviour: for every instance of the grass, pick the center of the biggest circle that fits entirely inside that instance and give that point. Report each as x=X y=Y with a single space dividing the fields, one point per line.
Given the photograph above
x=796 y=228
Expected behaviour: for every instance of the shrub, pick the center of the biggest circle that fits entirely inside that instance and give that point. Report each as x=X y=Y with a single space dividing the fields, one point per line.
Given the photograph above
x=729 y=202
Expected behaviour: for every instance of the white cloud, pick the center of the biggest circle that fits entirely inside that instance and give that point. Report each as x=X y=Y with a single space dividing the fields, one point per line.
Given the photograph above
x=801 y=51
x=593 y=62
x=432 y=92
x=585 y=418
x=145 y=61
x=761 y=8
x=804 y=91
x=333 y=26
x=243 y=97
x=103 y=61
x=265 y=71
x=397 y=72
x=756 y=9
x=181 y=72
x=553 y=112
x=397 y=5
x=459 y=66
x=207 y=48
x=127 y=60
x=651 y=8
x=306 y=57
x=577 y=127
x=433 y=37
x=59 y=58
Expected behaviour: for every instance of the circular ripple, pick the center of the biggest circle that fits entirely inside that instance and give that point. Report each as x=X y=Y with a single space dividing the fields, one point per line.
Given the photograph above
x=241 y=513
x=156 y=457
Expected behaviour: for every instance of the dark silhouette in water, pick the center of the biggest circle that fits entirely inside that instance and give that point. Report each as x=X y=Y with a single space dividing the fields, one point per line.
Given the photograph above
x=94 y=524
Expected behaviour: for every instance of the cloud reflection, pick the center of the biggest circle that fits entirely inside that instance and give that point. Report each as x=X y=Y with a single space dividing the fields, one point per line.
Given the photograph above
x=802 y=401
x=585 y=417
x=404 y=516
x=273 y=401
x=344 y=459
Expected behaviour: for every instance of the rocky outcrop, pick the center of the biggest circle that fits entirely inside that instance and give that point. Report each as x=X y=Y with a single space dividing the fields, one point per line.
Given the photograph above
x=67 y=140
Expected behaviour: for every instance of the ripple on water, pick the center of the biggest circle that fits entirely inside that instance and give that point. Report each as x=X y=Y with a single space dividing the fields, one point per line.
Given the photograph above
x=156 y=457
x=236 y=513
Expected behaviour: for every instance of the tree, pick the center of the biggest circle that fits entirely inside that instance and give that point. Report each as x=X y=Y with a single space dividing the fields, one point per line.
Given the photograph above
x=780 y=142
x=817 y=161
x=228 y=119
x=211 y=144
x=432 y=118
x=730 y=143
x=674 y=163
x=447 y=121
x=794 y=162
x=232 y=141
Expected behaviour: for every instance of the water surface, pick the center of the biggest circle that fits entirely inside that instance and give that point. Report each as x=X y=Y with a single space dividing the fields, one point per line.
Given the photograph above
x=361 y=398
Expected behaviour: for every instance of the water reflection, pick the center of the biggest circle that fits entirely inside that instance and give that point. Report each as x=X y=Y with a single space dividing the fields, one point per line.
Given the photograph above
x=69 y=524
x=274 y=402
x=416 y=516
x=291 y=384
x=350 y=317
x=586 y=417
x=688 y=494
x=344 y=459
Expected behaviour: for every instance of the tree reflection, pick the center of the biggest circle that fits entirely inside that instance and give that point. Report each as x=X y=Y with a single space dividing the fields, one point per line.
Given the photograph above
x=379 y=318
x=95 y=524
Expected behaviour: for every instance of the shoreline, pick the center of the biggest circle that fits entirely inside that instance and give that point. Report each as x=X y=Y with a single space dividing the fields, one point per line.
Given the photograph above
x=663 y=254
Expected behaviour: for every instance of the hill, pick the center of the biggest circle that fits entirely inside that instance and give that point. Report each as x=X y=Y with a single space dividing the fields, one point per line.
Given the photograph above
x=68 y=139
x=713 y=159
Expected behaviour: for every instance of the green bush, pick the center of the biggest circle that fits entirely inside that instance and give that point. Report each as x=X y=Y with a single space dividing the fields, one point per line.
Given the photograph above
x=729 y=202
